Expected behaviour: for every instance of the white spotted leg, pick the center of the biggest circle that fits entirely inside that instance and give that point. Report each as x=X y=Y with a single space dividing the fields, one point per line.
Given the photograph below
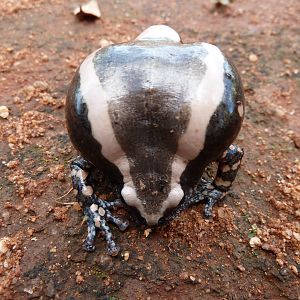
x=228 y=167
x=96 y=210
x=212 y=191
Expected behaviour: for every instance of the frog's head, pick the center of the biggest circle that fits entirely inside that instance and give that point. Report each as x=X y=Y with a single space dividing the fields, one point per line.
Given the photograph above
x=153 y=199
x=159 y=33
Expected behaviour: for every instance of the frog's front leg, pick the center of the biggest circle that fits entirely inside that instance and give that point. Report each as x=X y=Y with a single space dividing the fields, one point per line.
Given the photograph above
x=96 y=211
x=228 y=166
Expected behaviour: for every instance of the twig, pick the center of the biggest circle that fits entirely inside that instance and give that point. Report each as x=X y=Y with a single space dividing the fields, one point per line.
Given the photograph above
x=65 y=203
x=83 y=220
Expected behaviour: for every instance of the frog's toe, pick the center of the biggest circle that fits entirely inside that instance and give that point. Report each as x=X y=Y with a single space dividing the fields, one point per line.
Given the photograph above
x=121 y=223
x=88 y=244
x=88 y=247
x=97 y=217
x=212 y=198
x=113 y=249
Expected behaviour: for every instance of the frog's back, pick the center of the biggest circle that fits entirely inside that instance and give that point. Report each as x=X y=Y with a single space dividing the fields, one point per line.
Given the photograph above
x=154 y=107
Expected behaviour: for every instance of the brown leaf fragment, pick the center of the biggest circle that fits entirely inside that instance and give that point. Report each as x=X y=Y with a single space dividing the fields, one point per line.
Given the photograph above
x=88 y=10
x=220 y=2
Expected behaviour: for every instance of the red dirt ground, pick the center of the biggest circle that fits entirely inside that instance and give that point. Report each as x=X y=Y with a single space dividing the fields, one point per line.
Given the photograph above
x=42 y=44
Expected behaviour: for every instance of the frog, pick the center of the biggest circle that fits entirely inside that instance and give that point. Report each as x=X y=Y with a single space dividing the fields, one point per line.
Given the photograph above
x=150 y=115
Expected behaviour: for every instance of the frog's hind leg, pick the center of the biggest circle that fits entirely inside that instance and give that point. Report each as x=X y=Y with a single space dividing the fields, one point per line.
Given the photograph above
x=96 y=211
x=228 y=167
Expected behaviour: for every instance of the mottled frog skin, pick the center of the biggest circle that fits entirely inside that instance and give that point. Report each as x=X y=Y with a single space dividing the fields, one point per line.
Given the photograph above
x=151 y=114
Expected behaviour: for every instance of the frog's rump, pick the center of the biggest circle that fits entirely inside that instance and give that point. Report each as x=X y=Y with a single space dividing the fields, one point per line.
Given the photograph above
x=154 y=105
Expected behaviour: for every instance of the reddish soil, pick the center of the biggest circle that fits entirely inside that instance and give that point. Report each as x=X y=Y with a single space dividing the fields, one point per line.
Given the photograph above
x=42 y=44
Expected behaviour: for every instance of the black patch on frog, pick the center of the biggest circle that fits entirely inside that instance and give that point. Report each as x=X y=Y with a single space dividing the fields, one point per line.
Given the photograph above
x=80 y=133
x=223 y=127
x=149 y=108
x=149 y=136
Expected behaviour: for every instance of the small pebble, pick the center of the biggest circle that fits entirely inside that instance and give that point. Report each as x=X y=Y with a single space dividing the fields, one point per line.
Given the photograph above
x=28 y=291
x=296 y=236
x=79 y=277
x=126 y=255
x=45 y=58
x=30 y=231
x=255 y=242
x=104 y=43
x=283 y=272
x=280 y=262
x=53 y=250
x=253 y=57
x=241 y=268
x=5 y=264
x=5 y=216
x=184 y=275
x=41 y=85
x=147 y=232
x=12 y=164
x=294 y=269
x=40 y=169
x=4 y=112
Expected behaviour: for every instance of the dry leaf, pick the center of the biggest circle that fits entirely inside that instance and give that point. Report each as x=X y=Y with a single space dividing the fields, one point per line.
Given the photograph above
x=89 y=9
x=221 y=2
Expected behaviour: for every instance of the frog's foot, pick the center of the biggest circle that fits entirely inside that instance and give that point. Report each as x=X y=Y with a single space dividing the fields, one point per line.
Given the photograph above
x=229 y=164
x=97 y=211
x=97 y=216
x=210 y=191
